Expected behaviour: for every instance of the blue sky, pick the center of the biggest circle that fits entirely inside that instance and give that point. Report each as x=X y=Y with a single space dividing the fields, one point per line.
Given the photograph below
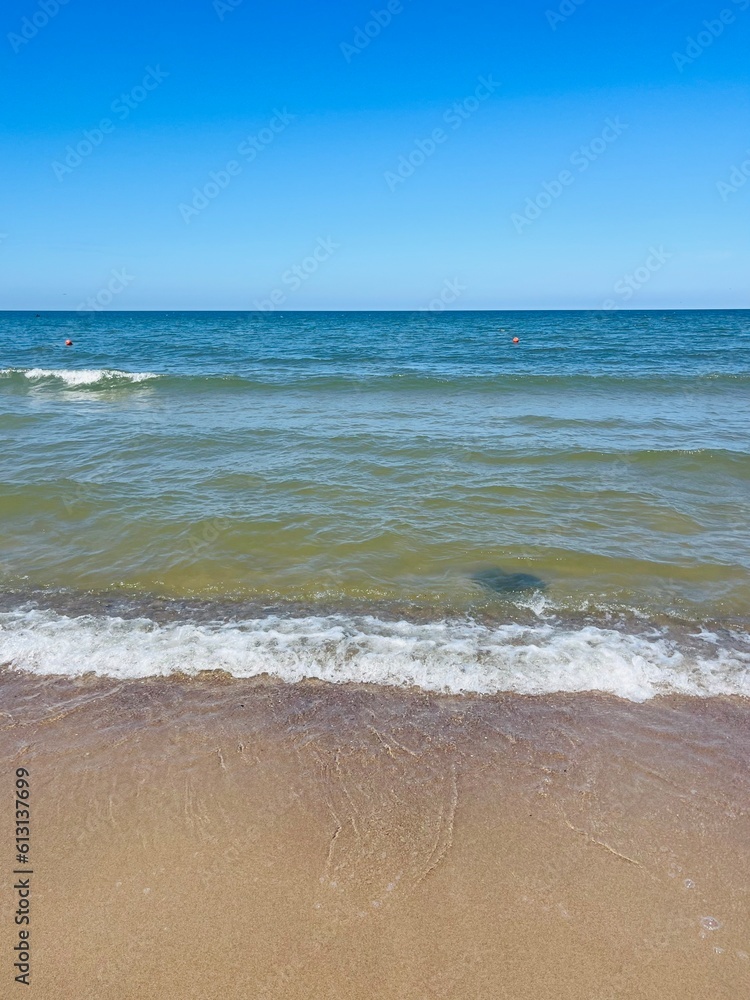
x=470 y=155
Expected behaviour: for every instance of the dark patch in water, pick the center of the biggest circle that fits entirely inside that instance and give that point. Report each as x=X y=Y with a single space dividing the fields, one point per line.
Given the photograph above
x=500 y=582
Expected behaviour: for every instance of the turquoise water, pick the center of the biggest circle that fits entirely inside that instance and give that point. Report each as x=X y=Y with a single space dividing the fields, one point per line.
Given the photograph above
x=403 y=466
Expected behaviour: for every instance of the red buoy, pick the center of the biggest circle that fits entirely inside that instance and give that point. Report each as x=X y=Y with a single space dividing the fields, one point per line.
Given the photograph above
x=68 y=343
x=516 y=340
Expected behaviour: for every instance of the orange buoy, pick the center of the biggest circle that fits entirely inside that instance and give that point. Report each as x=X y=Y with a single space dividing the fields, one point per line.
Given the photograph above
x=68 y=343
x=516 y=340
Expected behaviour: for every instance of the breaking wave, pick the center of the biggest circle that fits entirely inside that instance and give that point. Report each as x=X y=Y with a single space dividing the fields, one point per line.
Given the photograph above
x=81 y=377
x=454 y=657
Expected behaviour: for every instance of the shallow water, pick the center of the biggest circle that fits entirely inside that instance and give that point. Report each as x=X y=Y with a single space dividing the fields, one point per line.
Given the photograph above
x=360 y=463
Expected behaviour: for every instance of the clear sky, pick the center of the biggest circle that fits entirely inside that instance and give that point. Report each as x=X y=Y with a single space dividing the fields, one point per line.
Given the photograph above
x=231 y=155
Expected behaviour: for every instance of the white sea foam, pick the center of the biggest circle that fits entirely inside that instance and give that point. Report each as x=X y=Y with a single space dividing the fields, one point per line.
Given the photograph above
x=83 y=376
x=451 y=657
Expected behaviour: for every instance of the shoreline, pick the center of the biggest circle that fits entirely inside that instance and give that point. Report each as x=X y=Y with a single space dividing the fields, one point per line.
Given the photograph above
x=507 y=648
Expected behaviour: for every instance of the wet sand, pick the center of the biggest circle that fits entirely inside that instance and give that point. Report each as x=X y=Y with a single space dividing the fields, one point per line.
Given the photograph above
x=215 y=838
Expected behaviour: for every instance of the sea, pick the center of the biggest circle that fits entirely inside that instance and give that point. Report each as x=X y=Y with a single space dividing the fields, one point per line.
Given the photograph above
x=400 y=499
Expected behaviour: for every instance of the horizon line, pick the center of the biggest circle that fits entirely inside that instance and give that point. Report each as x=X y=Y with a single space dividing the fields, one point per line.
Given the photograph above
x=434 y=312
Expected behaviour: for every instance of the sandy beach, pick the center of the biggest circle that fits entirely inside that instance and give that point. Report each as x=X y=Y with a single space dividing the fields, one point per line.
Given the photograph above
x=201 y=839
x=374 y=502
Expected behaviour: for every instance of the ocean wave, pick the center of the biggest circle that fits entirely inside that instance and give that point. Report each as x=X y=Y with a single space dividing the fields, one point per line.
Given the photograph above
x=79 y=377
x=453 y=381
x=452 y=657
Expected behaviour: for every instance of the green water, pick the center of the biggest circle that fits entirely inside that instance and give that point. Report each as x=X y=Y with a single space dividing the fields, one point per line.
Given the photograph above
x=381 y=457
